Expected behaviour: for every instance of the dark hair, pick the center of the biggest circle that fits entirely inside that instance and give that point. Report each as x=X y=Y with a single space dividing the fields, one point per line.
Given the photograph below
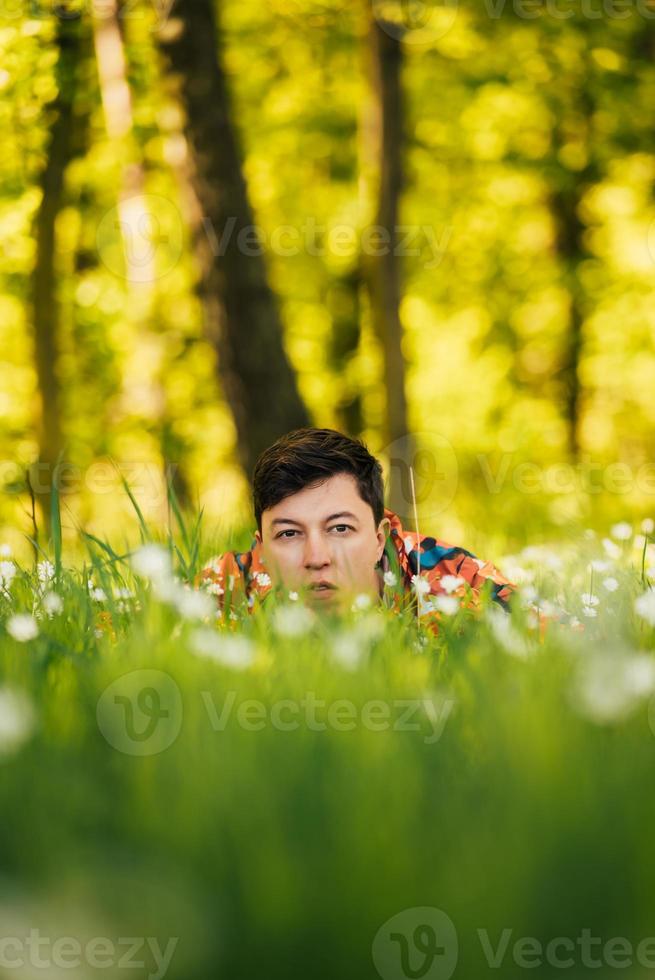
x=307 y=457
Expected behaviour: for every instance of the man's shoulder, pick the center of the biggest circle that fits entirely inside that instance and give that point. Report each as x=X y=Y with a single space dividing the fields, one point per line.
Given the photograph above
x=233 y=570
x=445 y=566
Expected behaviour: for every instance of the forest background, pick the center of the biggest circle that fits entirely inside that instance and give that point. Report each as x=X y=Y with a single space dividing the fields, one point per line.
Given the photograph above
x=431 y=225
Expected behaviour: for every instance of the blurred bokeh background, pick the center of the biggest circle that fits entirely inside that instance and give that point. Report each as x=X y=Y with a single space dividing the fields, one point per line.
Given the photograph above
x=428 y=224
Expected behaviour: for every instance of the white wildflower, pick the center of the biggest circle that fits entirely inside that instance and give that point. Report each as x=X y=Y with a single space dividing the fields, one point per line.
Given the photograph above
x=528 y=595
x=610 y=584
x=22 y=627
x=622 y=531
x=600 y=566
x=17 y=720
x=229 y=649
x=451 y=582
x=590 y=600
x=361 y=602
x=507 y=634
x=648 y=525
x=5 y=551
x=98 y=595
x=610 y=687
x=53 y=604
x=293 y=596
x=45 y=571
x=426 y=605
x=539 y=555
x=645 y=607
x=7 y=574
x=446 y=604
x=420 y=585
x=213 y=588
x=192 y=604
x=349 y=648
x=122 y=593
x=152 y=561
x=549 y=609
x=293 y=621
x=390 y=579
x=589 y=612
x=166 y=589
x=124 y=597
x=515 y=572
x=263 y=579
x=611 y=549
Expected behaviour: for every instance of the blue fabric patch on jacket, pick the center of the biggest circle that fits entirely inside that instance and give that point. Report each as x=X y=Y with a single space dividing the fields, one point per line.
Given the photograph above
x=433 y=554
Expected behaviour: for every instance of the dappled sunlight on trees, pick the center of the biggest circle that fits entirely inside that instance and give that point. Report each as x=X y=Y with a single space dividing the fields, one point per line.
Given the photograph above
x=524 y=156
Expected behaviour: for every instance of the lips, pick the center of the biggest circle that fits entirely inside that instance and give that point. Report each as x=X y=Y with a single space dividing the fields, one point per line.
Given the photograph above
x=322 y=587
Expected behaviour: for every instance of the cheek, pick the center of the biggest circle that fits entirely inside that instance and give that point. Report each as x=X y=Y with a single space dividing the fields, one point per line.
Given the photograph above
x=282 y=558
x=359 y=555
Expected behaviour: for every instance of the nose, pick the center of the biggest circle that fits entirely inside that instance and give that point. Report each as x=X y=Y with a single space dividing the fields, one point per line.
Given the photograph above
x=317 y=552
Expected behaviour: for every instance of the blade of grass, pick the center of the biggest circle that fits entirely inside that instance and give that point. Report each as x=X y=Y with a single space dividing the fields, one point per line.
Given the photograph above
x=38 y=550
x=55 y=520
x=105 y=547
x=143 y=527
x=644 y=580
x=196 y=536
x=183 y=565
x=175 y=507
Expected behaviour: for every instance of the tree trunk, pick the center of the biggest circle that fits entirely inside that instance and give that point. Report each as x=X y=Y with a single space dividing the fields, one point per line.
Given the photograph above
x=241 y=315
x=343 y=304
x=565 y=205
x=44 y=278
x=570 y=246
x=384 y=272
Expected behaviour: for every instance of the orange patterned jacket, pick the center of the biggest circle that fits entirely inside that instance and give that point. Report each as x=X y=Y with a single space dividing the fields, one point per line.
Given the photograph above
x=446 y=572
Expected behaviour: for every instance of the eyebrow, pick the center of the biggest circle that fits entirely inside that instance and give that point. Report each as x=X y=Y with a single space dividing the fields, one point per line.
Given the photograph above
x=332 y=517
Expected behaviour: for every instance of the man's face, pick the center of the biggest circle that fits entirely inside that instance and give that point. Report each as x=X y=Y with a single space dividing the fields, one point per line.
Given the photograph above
x=324 y=538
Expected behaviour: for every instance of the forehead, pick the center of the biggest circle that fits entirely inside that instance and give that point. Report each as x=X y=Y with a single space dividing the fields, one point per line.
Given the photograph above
x=317 y=503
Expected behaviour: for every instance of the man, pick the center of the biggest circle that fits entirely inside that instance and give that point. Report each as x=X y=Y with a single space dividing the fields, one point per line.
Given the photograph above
x=323 y=531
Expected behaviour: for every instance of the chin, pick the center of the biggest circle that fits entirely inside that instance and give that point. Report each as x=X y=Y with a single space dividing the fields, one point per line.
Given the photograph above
x=329 y=597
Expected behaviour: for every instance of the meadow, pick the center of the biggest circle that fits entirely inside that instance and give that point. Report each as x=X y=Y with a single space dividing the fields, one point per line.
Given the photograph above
x=270 y=792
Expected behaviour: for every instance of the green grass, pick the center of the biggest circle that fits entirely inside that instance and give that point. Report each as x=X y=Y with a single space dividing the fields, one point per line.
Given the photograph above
x=504 y=780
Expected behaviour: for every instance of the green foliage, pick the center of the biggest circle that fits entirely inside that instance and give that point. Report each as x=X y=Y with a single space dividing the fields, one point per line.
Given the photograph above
x=514 y=124
x=280 y=783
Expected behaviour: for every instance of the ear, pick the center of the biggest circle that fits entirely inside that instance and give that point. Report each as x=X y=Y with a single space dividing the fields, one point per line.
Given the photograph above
x=258 y=539
x=382 y=535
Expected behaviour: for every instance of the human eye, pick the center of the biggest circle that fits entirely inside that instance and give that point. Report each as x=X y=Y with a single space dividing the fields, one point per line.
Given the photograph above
x=283 y=534
x=345 y=527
